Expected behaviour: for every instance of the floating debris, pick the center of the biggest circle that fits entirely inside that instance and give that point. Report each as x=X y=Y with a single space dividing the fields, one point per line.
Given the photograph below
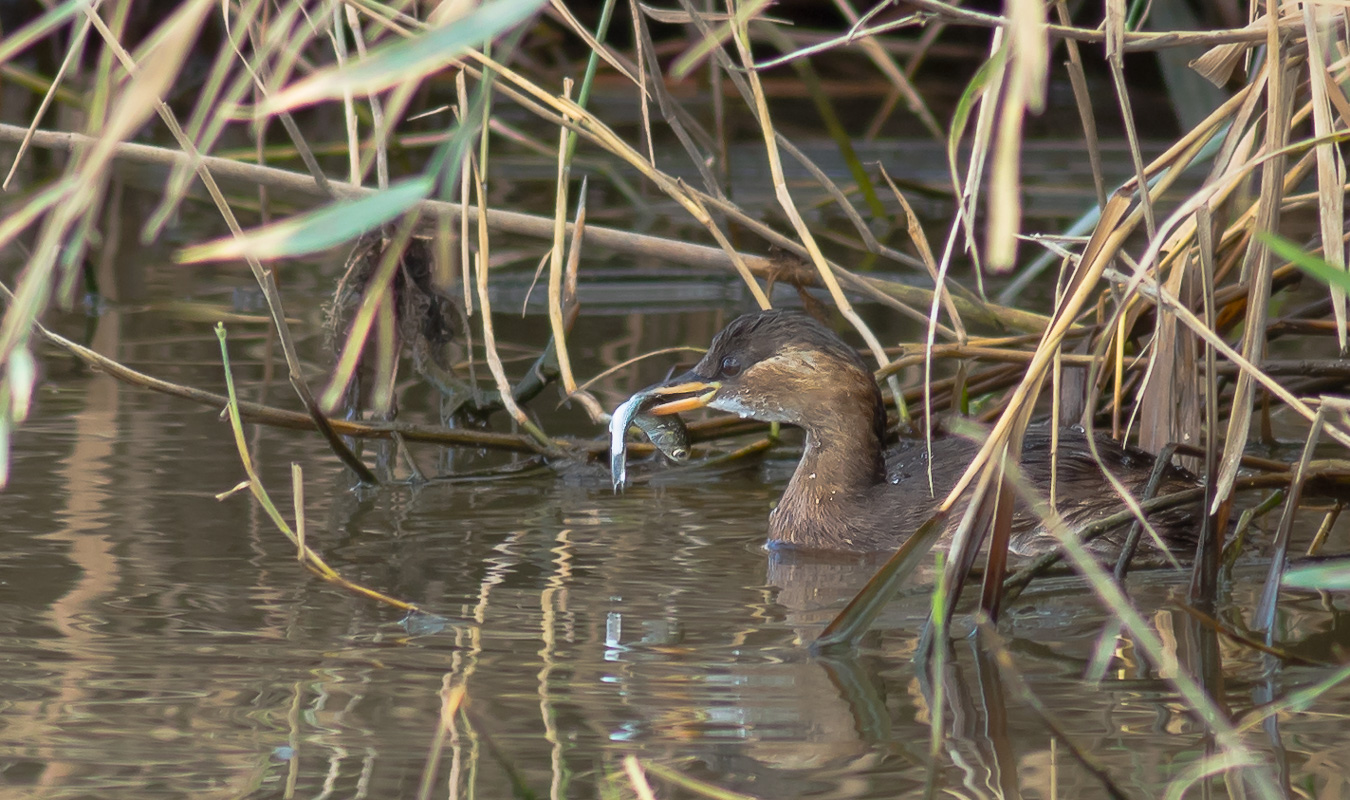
x=423 y=623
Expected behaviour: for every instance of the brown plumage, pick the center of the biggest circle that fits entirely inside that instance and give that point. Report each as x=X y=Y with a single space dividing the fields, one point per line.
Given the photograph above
x=849 y=492
x=426 y=318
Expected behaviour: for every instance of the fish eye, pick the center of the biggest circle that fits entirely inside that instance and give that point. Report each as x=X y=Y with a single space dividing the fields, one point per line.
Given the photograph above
x=731 y=366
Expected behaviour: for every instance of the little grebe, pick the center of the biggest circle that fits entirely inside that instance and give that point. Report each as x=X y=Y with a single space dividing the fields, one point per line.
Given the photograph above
x=848 y=492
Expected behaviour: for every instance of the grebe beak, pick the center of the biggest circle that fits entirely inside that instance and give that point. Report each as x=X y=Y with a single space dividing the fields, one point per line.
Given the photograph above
x=687 y=392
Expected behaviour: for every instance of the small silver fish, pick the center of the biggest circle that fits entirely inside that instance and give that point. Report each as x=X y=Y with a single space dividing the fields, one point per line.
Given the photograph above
x=667 y=432
x=618 y=439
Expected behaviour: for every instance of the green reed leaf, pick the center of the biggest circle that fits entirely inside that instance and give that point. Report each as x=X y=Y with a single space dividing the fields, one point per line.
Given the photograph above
x=407 y=59
x=317 y=230
x=1332 y=576
x=1309 y=263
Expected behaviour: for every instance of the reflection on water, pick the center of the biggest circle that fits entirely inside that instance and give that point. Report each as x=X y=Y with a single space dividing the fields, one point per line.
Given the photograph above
x=159 y=642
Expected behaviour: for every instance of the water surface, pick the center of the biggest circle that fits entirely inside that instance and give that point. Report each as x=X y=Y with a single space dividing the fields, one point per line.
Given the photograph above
x=159 y=642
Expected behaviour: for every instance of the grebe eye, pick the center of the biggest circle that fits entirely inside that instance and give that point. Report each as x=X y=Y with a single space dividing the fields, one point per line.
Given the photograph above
x=731 y=366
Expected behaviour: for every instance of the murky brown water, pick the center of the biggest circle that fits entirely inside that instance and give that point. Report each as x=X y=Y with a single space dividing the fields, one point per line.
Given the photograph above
x=160 y=643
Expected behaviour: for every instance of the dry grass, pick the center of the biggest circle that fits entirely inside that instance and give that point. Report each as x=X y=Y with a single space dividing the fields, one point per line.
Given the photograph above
x=1168 y=297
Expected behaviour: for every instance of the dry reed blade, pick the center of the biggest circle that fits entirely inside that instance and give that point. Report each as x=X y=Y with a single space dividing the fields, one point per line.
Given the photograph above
x=311 y=559
x=298 y=505
x=465 y=202
x=688 y=132
x=489 y=336
x=1330 y=163
x=1257 y=267
x=377 y=301
x=637 y=778
x=73 y=52
x=1115 y=59
x=595 y=43
x=852 y=622
x=789 y=206
x=1245 y=367
x=555 y=256
x=693 y=785
x=869 y=239
x=1078 y=82
x=451 y=701
x=570 y=305
x=161 y=61
x=901 y=83
x=983 y=89
x=834 y=127
x=645 y=92
x=1179 y=226
x=714 y=39
x=986 y=462
x=940 y=294
x=992 y=640
x=972 y=530
x=1149 y=643
x=1323 y=531
x=1028 y=61
x=379 y=130
x=1000 y=532
x=1263 y=618
x=217 y=106
x=1168 y=402
x=596 y=130
x=338 y=37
